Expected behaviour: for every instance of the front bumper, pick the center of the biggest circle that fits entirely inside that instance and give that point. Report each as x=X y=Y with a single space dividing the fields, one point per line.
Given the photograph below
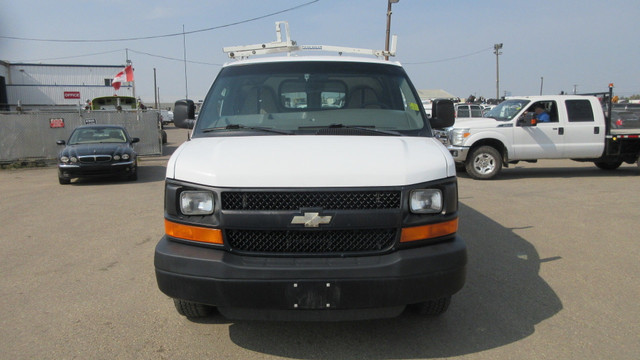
x=219 y=278
x=459 y=153
x=69 y=171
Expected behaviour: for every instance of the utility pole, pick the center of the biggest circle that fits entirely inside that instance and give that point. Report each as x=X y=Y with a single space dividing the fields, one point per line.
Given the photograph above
x=386 y=43
x=184 y=51
x=496 y=50
x=155 y=88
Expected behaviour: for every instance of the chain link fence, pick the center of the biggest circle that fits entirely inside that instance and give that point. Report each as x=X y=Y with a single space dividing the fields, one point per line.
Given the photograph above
x=32 y=136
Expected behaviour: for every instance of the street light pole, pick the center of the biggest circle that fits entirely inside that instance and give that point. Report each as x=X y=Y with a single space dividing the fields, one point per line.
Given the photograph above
x=496 y=50
x=386 y=43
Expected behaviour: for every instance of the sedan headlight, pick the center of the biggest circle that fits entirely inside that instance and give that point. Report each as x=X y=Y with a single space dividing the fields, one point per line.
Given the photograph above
x=64 y=159
x=458 y=136
x=125 y=156
x=196 y=202
x=426 y=201
x=116 y=157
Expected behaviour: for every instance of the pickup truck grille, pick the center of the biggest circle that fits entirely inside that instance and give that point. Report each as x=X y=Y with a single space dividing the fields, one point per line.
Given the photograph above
x=330 y=200
x=311 y=242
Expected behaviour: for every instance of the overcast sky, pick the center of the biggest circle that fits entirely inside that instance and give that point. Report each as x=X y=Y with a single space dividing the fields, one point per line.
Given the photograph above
x=558 y=45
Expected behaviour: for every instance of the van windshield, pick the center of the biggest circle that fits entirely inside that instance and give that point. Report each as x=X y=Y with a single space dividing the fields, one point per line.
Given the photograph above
x=309 y=97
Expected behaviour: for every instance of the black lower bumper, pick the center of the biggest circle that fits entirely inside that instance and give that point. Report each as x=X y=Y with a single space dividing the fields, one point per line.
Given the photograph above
x=96 y=170
x=226 y=280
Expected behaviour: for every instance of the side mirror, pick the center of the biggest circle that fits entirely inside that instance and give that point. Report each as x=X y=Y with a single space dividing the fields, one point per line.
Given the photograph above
x=527 y=120
x=61 y=142
x=443 y=114
x=135 y=140
x=184 y=114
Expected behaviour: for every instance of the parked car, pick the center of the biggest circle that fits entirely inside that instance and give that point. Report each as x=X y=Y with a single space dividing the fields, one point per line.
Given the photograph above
x=468 y=110
x=98 y=150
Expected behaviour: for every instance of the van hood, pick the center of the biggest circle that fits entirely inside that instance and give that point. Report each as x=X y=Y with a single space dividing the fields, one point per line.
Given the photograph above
x=310 y=161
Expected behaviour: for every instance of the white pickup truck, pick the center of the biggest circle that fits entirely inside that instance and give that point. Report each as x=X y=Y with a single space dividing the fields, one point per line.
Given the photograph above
x=578 y=129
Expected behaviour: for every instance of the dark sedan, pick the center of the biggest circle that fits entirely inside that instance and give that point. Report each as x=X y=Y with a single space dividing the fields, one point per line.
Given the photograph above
x=96 y=151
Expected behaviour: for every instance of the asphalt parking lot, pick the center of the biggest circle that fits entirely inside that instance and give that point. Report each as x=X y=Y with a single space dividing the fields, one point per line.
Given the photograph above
x=553 y=274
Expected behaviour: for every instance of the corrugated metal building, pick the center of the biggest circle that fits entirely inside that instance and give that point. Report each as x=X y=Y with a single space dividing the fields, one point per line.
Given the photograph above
x=43 y=85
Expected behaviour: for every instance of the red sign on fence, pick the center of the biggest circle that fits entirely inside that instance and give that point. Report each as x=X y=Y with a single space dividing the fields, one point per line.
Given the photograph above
x=56 y=123
x=72 y=94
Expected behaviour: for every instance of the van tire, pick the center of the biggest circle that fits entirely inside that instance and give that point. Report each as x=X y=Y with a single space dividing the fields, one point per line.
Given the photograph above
x=431 y=307
x=192 y=310
x=608 y=165
x=484 y=163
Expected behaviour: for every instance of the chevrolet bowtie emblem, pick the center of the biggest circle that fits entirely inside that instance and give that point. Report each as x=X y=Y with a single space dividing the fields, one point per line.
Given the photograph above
x=311 y=219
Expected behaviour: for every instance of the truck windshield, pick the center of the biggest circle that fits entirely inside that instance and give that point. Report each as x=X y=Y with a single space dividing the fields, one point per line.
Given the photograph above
x=506 y=110
x=309 y=97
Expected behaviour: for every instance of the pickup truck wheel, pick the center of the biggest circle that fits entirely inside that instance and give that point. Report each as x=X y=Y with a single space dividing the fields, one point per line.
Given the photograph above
x=431 y=307
x=484 y=163
x=192 y=310
x=608 y=165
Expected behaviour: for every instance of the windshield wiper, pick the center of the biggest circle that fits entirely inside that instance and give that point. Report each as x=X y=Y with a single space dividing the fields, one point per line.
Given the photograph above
x=244 y=127
x=361 y=128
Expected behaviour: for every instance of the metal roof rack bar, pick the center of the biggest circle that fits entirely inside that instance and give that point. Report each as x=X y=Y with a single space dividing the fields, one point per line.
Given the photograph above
x=289 y=46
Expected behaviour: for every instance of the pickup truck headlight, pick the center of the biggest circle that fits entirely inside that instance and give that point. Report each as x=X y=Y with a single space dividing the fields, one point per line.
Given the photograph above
x=458 y=136
x=196 y=202
x=426 y=201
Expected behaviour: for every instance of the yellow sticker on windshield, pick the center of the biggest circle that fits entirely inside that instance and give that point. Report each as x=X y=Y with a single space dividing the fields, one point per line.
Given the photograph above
x=414 y=106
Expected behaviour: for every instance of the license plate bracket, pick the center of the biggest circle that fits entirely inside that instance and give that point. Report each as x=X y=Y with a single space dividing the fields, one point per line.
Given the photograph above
x=313 y=295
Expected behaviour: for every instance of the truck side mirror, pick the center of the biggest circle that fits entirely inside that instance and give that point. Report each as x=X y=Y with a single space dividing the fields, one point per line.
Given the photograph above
x=443 y=114
x=526 y=120
x=184 y=114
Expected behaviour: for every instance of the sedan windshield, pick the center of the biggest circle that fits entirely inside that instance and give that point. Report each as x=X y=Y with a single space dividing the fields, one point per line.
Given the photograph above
x=312 y=97
x=97 y=135
x=506 y=110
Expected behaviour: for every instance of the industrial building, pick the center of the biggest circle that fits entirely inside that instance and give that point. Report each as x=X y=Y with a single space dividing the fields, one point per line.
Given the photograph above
x=40 y=86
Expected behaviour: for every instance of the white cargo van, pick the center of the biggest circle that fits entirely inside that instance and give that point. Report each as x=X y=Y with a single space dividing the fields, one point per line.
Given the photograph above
x=311 y=188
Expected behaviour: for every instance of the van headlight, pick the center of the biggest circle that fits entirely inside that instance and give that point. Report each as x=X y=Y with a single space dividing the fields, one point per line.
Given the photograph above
x=425 y=201
x=196 y=202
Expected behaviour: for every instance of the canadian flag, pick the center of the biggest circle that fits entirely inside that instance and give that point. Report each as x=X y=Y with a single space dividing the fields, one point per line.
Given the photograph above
x=123 y=76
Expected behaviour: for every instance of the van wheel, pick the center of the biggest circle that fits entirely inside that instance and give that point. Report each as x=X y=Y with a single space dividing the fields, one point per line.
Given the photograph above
x=191 y=309
x=608 y=165
x=484 y=163
x=431 y=307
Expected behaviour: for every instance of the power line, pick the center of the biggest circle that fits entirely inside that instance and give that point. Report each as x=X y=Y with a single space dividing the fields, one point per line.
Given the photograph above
x=162 y=36
x=73 y=56
x=448 y=59
x=173 y=59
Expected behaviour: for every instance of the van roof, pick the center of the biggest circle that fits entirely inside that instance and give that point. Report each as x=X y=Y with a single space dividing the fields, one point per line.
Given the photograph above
x=272 y=59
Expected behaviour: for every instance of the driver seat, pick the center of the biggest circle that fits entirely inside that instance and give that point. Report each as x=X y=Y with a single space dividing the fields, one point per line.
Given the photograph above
x=363 y=97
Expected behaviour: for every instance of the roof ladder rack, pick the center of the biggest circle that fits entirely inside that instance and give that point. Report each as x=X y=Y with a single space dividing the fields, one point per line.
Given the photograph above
x=289 y=46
